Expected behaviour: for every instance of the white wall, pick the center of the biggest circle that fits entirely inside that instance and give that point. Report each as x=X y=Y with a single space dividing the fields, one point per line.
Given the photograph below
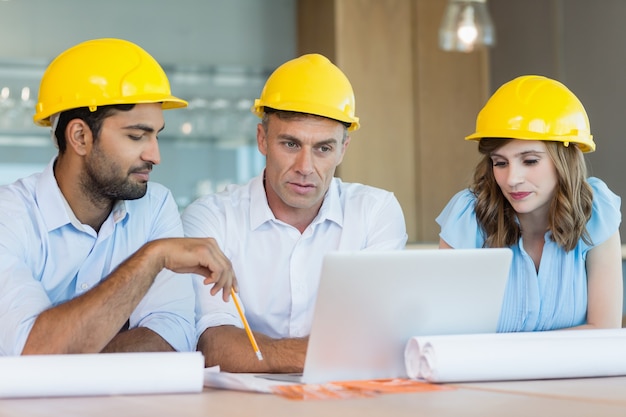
x=254 y=33
x=244 y=39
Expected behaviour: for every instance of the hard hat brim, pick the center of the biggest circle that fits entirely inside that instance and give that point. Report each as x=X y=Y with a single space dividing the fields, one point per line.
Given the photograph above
x=167 y=102
x=585 y=146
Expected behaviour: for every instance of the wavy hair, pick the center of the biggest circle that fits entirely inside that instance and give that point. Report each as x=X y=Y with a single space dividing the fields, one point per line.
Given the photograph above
x=570 y=208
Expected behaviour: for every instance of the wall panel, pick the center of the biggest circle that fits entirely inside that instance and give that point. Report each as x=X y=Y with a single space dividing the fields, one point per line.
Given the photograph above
x=416 y=103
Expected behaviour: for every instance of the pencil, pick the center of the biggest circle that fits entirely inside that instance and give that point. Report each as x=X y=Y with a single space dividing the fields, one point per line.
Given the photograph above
x=246 y=326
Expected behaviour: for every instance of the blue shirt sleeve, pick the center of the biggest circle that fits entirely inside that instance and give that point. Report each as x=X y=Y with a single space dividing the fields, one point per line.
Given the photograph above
x=168 y=306
x=459 y=227
x=606 y=215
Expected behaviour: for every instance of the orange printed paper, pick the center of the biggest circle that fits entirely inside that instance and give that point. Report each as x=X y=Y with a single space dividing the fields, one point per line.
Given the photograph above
x=354 y=389
x=394 y=385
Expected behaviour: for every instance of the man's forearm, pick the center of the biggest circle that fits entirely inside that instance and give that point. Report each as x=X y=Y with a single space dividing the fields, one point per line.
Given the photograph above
x=87 y=323
x=230 y=348
x=139 y=339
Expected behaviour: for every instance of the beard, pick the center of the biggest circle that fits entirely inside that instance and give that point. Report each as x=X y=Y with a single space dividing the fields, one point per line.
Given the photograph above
x=103 y=182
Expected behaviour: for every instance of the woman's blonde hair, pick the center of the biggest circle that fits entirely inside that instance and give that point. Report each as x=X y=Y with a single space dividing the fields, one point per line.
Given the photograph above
x=570 y=208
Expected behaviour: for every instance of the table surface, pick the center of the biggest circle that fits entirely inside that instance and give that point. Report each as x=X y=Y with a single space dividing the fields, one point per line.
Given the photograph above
x=569 y=397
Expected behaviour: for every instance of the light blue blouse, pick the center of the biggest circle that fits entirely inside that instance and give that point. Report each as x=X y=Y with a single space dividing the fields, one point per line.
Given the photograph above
x=556 y=296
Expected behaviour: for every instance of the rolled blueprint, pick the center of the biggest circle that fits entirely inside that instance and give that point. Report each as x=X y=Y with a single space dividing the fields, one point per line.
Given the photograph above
x=101 y=374
x=517 y=356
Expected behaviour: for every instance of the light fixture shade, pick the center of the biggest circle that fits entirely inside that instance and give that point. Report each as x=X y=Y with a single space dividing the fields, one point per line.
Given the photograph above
x=466 y=26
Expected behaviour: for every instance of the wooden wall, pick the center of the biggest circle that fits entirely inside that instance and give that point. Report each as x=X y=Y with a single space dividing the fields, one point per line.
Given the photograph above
x=416 y=103
x=580 y=43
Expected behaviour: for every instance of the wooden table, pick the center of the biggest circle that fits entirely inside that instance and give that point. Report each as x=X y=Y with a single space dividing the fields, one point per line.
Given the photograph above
x=604 y=397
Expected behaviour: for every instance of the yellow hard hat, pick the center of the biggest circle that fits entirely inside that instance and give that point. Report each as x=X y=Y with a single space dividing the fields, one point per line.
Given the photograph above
x=534 y=107
x=309 y=84
x=102 y=72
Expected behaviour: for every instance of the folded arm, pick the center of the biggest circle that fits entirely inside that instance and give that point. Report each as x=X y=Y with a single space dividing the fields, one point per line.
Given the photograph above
x=91 y=322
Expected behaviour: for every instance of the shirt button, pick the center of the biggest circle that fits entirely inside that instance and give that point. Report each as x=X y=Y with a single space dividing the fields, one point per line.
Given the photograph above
x=84 y=286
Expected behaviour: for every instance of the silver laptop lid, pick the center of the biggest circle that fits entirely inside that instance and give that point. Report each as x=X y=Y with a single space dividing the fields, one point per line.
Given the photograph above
x=370 y=303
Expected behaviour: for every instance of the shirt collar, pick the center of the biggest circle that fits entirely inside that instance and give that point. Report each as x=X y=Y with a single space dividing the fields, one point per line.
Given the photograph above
x=260 y=211
x=55 y=209
x=52 y=204
x=331 y=207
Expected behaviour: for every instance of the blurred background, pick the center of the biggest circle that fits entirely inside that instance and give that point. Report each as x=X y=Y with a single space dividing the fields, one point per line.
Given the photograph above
x=416 y=101
x=217 y=55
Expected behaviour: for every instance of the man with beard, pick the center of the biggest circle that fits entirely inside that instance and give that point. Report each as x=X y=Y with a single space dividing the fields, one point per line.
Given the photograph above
x=90 y=252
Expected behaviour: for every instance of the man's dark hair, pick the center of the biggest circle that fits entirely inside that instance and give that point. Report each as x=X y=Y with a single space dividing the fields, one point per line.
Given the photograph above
x=93 y=119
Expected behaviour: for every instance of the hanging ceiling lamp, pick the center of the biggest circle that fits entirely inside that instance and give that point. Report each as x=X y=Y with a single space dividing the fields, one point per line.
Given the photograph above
x=466 y=26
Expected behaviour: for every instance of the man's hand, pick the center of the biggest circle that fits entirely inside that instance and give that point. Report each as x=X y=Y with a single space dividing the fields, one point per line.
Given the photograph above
x=201 y=256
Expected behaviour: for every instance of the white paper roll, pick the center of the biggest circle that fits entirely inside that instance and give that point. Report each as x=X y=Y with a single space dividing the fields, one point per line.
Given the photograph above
x=517 y=356
x=101 y=374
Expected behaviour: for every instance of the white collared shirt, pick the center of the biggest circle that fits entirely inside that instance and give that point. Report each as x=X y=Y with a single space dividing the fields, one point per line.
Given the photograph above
x=276 y=266
x=48 y=257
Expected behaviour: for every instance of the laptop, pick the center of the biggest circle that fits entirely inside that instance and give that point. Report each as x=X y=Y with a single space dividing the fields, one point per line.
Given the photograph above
x=370 y=303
